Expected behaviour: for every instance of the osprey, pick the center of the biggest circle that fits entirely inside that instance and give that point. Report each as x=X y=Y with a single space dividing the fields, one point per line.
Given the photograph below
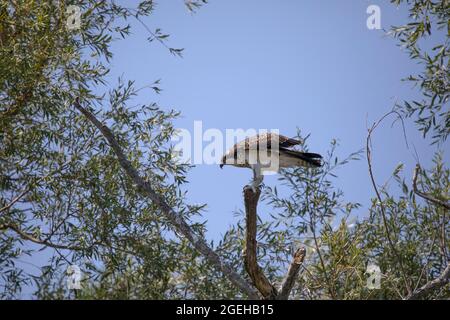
x=268 y=152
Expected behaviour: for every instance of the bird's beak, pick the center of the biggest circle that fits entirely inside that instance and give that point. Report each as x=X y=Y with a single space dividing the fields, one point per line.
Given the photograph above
x=221 y=165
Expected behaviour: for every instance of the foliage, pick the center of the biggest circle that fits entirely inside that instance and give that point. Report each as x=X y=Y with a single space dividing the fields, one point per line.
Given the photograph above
x=427 y=18
x=419 y=230
x=64 y=197
x=72 y=196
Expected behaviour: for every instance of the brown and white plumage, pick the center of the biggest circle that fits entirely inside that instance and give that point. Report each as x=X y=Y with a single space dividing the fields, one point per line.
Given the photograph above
x=254 y=152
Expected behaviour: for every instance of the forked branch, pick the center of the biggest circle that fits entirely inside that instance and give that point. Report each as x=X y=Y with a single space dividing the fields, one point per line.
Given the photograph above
x=264 y=286
x=255 y=272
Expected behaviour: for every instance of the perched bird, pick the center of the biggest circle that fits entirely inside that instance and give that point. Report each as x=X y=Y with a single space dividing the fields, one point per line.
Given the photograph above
x=268 y=152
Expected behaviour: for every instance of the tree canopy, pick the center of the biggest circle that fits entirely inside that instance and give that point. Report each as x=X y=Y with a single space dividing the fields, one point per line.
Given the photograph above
x=108 y=195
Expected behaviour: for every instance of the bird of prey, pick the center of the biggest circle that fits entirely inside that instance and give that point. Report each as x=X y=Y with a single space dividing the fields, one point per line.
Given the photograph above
x=268 y=152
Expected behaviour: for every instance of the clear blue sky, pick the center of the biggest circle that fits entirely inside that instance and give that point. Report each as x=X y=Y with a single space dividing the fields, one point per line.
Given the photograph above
x=277 y=64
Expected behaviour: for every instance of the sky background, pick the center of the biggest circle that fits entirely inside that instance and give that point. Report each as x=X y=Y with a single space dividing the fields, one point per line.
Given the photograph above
x=278 y=65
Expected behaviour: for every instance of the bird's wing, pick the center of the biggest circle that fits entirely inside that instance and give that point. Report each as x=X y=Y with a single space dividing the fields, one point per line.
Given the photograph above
x=304 y=159
x=267 y=140
x=286 y=142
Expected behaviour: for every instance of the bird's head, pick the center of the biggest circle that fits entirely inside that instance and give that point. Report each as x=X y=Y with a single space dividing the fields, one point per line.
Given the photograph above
x=227 y=158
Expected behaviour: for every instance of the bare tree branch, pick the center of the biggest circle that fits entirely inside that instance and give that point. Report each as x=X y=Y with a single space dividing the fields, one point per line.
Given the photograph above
x=28 y=189
x=294 y=268
x=47 y=243
x=425 y=195
x=180 y=225
x=267 y=290
x=382 y=208
x=27 y=236
x=255 y=272
x=432 y=285
x=13 y=201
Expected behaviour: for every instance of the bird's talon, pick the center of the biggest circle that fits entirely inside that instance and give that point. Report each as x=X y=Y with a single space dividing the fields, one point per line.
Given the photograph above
x=252 y=187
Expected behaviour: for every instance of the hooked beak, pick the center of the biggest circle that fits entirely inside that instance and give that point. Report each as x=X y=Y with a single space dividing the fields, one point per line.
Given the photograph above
x=221 y=165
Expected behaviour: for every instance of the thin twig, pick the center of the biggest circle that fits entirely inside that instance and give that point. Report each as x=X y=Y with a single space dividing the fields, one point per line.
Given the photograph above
x=425 y=195
x=17 y=198
x=27 y=236
x=427 y=261
x=383 y=210
x=319 y=253
x=28 y=188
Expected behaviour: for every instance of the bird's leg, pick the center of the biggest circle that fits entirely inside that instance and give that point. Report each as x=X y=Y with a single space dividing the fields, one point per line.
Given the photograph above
x=257 y=178
x=257 y=182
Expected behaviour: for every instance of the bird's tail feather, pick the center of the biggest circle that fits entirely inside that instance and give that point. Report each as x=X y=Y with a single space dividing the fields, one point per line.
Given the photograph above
x=311 y=159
